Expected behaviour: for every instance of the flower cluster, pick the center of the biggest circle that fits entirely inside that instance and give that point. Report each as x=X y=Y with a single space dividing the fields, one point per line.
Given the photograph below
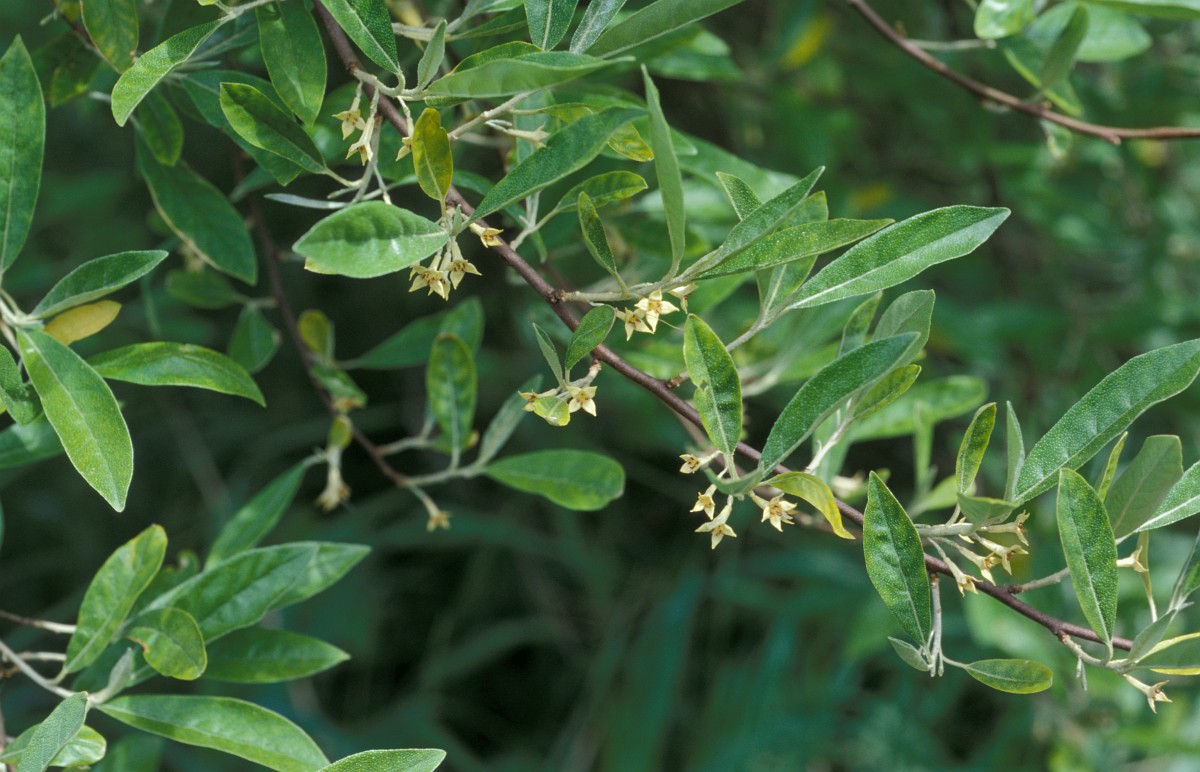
x=644 y=315
x=556 y=405
x=353 y=121
x=443 y=273
x=717 y=526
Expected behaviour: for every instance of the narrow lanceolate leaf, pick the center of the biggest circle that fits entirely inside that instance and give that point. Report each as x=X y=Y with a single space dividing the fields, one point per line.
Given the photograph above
x=592 y=330
x=549 y=353
x=1061 y=57
x=451 y=383
x=887 y=391
x=718 y=389
x=240 y=728
x=113 y=591
x=603 y=189
x=911 y=312
x=1151 y=635
x=1183 y=500
x=431 y=59
x=113 y=27
x=22 y=144
x=369 y=25
x=505 y=421
x=294 y=55
x=896 y=561
x=813 y=490
x=86 y=748
x=328 y=563
x=898 y=253
x=974 y=444
x=548 y=21
x=258 y=516
x=762 y=221
x=53 y=734
x=1110 y=468
x=596 y=17
x=84 y=414
x=595 y=238
x=658 y=18
x=154 y=65
x=369 y=239
x=1014 y=450
x=981 y=510
x=575 y=479
x=1090 y=550
x=1016 y=676
x=1167 y=9
x=260 y=655
x=528 y=70
x=95 y=279
x=16 y=396
x=1188 y=580
x=160 y=128
x=832 y=384
x=741 y=196
x=1175 y=656
x=909 y=654
x=432 y=159
x=257 y=120
x=1106 y=411
x=666 y=169
x=1136 y=494
x=1001 y=18
x=200 y=215
x=408 y=760
x=567 y=151
x=177 y=364
x=171 y=642
x=796 y=243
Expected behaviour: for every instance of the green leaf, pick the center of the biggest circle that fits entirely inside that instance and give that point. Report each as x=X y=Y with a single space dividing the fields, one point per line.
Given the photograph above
x=900 y=252
x=813 y=490
x=595 y=239
x=911 y=312
x=112 y=26
x=887 y=391
x=53 y=734
x=505 y=421
x=1151 y=636
x=896 y=562
x=592 y=330
x=974 y=444
x=1016 y=676
x=761 y=222
x=112 y=592
x=369 y=25
x=431 y=59
x=224 y=724
x=1015 y=450
x=411 y=345
x=28 y=444
x=567 y=151
x=854 y=332
x=95 y=279
x=369 y=239
x=84 y=414
x=1141 y=487
x=1090 y=550
x=549 y=353
x=1061 y=57
x=411 y=760
x=133 y=753
x=795 y=243
x=1105 y=412
x=202 y=289
x=826 y=390
x=909 y=654
x=1167 y=9
x=512 y=71
x=575 y=479
x=1175 y=656
x=666 y=169
x=171 y=642
x=177 y=364
x=154 y=65
x=258 y=516
x=548 y=21
x=254 y=340
x=603 y=189
x=452 y=386
x=260 y=655
x=161 y=128
x=22 y=145
x=17 y=397
x=718 y=389
x=257 y=120
x=656 y=19
x=944 y=399
x=84 y=749
x=294 y=55
x=596 y=18
x=316 y=332
x=1181 y=501
x=1111 y=35
x=741 y=196
x=1001 y=18
x=431 y=154
x=329 y=563
x=200 y=215
x=984 y=511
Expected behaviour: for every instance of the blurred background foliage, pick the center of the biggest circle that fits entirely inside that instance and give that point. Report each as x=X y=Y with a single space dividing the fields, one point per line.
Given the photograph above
x=528 y=637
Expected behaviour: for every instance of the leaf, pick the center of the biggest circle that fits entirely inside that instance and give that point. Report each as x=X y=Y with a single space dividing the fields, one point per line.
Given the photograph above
x=411 y=345
x=944 y=399
x=900 y=252
x=1106 y=411
x=84 y=749
x=974 y=444
x=828 y=388
x=111 y=594
x=161 y=128
x=84 y=414
x=369 y=239
x=431 y=59
x=254 y=340
x=257 y=120
x=294 y=55
x=329 y=563
x=202 y=289
x=95 y=279
x=507 y=72
x=592 y=330
x=1061 y=57
x=1090 y=550
x=258 y=516
x=1111 y=35
x=574 y=479
x=548 y=21
x=53 y=734
x=761 y=222
x=595 y=239
x=316 y=332
x=596 y=18
x=260 y=655
x=17 y=397
x=1001 y=18
x=896 y=562
x=432 y=159
x=412 y=760
x=909 y=654
x=1175 y=656
x=82 y=321
x=1139 y=490
x=603 y=189
x=1167 y=9
x=369 y=25
x=171 y=642
x=154 y=65
x=1188 y=580
x=887 y=391
x=1016 y=676
x=224 y=724
x=1151 y=635
x=666 y=168
x=1015 y=449
x=200 y=215
x=984 y=511
x=854 y=332
x=452 y=386
x=813 y=490
x=718 y=389
x=22 y=145
x=654 y=20
x=567 y=151
x=28 y=444
x=177 y=364
x=112 y=26
x=505 y=421
x=795 y=243
x=1181 y=501
x=911 y=312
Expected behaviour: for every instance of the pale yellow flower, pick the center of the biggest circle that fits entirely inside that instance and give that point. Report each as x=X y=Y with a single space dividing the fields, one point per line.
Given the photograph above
x=459 y=268
x=531 y=398
x=776 y=510
x=582 y=399
x=691 y=464
x=433 y=279
x=704 y=502
x=336 y=491
x=489 y=236
x=682 y=293
x=653 y=306
x=351 y=119
x=635 y=321
x=439 y=519
x=717 y=527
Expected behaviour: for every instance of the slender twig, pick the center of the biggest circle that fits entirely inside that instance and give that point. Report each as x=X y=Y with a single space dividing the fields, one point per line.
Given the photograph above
x=43 y=624
x=659 y=388
x=1113 y=134
x=33 y=675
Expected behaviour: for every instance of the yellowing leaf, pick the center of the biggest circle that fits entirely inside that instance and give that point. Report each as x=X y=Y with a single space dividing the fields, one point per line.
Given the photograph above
x=82 y=321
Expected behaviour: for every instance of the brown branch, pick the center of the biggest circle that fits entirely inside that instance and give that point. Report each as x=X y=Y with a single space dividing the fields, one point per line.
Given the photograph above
x=657 y=387
x=1113 y=134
